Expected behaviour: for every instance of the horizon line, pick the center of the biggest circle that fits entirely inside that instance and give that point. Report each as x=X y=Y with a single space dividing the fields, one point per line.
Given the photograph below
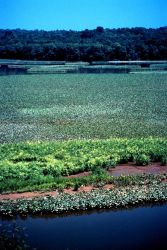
x=50 y=30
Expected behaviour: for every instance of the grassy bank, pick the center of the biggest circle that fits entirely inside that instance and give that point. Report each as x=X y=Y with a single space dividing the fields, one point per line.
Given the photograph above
x=42 y=166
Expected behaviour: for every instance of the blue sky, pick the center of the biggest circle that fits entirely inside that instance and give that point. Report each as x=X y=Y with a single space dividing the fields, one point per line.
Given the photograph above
x=82 y=14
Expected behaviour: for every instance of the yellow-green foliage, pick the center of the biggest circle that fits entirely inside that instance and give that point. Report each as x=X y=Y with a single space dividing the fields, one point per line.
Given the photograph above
x=36 y=163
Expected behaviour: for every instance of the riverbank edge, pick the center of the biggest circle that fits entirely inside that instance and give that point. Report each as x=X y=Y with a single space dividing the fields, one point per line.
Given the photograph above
x=41 y=166
x=95 y=199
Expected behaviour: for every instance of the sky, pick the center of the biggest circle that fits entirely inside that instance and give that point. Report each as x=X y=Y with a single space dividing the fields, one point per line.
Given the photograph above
x=82 y=14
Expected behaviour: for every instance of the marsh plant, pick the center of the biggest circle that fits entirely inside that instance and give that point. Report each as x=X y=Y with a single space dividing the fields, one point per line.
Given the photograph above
x=35 y=166
x=82 y=106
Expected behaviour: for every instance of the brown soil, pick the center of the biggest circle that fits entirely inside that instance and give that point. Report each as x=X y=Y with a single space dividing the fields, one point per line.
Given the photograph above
x=78 y=175
x=86 y=188
x=26 y=195
x=108 y=186
x=81 y=189
x=132 y=169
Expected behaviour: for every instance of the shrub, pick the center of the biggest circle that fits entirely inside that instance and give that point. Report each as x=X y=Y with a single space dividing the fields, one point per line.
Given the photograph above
x=141 y=159
x=76 y=186
x=164 y=160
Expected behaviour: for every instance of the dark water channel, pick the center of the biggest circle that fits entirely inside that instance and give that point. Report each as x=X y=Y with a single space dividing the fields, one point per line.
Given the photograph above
x=136 y=228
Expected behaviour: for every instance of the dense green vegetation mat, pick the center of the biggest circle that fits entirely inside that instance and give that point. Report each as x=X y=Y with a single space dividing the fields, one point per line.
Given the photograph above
x=119 y=197
x=80 y=106
x=41 y=166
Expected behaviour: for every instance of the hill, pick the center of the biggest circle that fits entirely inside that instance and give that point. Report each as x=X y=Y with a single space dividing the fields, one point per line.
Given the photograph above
x=88 y=45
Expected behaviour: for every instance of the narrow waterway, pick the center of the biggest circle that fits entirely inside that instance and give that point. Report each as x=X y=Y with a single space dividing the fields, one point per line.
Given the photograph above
x=135 y=228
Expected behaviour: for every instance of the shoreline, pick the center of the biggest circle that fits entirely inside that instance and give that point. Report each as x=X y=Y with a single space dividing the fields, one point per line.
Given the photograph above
x=82 y=175
x=81 y=201
x=128 y=170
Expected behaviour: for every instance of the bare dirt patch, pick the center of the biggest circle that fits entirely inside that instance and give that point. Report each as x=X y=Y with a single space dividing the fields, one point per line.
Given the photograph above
x=78 y=175
x=86 y=188
x=108 y=186
x=132 y=169
x=80 y=189
x=27 y=195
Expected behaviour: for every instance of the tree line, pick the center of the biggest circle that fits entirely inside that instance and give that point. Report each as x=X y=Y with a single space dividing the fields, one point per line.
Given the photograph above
x=88 y=45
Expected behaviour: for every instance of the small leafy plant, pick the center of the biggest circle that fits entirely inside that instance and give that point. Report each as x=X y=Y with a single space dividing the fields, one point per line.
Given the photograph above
x=141 y=159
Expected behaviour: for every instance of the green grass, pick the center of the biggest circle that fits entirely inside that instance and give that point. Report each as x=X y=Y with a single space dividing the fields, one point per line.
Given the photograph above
x=75 y=106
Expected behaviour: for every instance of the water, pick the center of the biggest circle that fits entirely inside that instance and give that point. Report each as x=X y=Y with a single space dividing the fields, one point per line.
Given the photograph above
x=137 y=228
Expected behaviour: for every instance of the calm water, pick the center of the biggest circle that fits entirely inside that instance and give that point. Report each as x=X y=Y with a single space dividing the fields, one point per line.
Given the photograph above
x=137 y=228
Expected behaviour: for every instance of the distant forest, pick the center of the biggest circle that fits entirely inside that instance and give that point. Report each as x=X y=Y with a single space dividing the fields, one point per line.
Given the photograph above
x=88 y=45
